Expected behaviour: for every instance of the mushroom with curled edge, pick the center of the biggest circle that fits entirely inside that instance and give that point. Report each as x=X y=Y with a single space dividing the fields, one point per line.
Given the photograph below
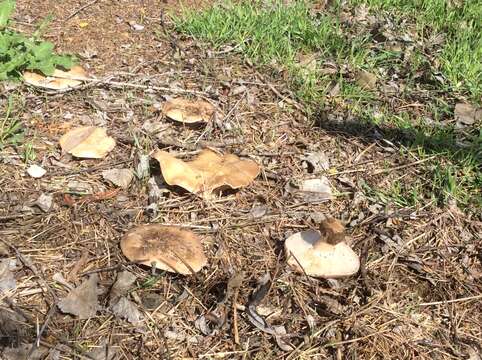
x=59 y=80
x=208 y=172
x=166 y=248
x=323 y=254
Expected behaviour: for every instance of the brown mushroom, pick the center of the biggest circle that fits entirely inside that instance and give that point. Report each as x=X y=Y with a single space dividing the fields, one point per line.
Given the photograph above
x=324 y=254
x=209 y=171
x=188 y=111
x=167 y=248
x=59 y=80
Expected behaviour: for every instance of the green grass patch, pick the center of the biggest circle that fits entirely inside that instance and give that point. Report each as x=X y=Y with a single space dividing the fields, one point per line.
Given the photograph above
x=275 y=34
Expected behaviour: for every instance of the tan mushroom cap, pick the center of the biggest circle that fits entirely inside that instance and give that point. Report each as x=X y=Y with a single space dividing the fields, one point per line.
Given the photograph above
x=209 y=171
x=309 y=253
x=87 y=142
x=188 y=111
x=170 y=248
x=59 y=80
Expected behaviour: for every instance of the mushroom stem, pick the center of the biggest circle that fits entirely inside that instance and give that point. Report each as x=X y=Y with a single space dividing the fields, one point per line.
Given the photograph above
x=332 y=232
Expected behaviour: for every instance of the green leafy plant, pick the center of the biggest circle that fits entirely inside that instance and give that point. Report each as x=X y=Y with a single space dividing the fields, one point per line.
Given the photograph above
x=19 y=52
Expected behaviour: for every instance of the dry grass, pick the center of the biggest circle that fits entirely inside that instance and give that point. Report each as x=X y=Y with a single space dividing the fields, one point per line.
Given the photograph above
x=417 y=296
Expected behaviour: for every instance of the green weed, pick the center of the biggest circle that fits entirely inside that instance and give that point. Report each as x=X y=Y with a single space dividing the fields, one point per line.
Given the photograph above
x=11 y=132
x=19 y=52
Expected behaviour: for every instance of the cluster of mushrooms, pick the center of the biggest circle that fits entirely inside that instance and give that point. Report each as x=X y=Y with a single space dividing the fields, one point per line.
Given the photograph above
x=322 y=254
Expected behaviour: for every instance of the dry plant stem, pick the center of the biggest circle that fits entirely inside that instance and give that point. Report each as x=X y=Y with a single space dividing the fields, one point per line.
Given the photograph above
x=235 y=317
x=83 y=7
x=119 y=84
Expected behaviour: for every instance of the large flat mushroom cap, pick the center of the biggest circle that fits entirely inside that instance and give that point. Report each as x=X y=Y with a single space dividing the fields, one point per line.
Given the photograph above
x=323 y=260
x=170 y=248
x=207 y=172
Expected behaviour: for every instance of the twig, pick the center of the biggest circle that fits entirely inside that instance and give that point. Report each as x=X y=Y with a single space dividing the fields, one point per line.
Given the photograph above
x=468 y=298
x=83 y=7
x=200 y=144
x=281 y=96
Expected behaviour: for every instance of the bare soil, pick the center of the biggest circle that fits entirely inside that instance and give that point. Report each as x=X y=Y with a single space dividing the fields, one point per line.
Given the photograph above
x=417 y=296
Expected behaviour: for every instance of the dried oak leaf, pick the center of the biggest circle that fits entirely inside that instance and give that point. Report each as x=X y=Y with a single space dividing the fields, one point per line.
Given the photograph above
x=167 y=247
x=188 y=111
x=208 y=172
x=59 y=80
x=87 y=142
x=82 y=301
x=7 y=279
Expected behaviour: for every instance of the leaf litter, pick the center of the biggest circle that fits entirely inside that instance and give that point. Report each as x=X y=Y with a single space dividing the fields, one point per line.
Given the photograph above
x=188 y=111
x=82 y=301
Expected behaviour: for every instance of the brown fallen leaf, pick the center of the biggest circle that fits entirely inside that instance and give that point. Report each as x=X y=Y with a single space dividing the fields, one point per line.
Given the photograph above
x=466 y=114
x=87 y=142
x=59 y=80
x=7 y=279
x=366 y=80
x=208 y=172
x=167 y=247
x=188 y=111
x=82 y=301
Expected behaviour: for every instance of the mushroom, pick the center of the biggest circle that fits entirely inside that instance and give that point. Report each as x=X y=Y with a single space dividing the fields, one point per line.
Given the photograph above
x=207 y=172
x=323 y=254
x=188 y=111
x=59 y=80
x=167 y=248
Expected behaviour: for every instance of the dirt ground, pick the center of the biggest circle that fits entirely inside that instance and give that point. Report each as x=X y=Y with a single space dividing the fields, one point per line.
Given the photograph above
x=417 y=296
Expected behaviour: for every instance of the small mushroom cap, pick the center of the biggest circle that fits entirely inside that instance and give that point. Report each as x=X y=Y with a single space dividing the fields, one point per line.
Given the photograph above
x=209 y=171
x=170 y=248
x=306 y=253
x=188 y=111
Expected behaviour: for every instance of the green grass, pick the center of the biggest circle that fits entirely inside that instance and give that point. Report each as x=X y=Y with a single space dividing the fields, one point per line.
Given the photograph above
x=272 y=34
x=460 y=57
x=11 y=131
x=275 y=35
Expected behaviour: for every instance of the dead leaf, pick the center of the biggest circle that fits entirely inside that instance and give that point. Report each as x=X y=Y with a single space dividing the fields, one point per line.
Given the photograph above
x=188 y=111
x=59 y=80
x=119 y=177
x=103 y=352
x=466 y=114
x=311 y=190
x=45 y=202
x=123 y=283
x=316 y=162
x=21 y=353
x=87 y=142
x=82 y=301
x=208 y=172
x=366 y=80
x=126 y=309
x=7 y=279
x=258 y=321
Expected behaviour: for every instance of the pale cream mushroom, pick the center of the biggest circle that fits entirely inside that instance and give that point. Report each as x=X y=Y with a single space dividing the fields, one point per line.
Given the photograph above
x=165 y=247
x=325 y=254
